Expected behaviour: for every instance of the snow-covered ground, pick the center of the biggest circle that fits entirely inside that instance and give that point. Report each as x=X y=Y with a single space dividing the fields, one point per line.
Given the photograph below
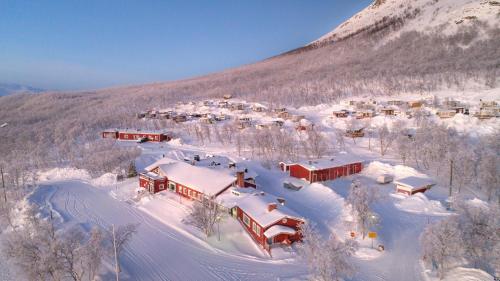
x=165 y=248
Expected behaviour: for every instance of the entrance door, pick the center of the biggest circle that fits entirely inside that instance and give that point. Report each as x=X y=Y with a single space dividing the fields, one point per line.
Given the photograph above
x=171 y=186
x=152 y=187
x=234 y=212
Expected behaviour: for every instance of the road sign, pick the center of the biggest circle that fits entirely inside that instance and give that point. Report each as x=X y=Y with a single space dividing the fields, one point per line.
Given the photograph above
x=372 y=235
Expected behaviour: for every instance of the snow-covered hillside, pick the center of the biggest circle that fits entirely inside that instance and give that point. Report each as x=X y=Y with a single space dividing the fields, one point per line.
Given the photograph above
x=418 y=15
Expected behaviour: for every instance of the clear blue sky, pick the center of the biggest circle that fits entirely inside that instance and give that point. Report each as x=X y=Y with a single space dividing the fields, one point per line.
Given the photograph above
x=99 y=43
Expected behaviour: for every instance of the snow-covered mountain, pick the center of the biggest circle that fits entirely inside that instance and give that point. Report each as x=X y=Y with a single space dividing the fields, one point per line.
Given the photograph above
x=419 y=15
x=11 y=88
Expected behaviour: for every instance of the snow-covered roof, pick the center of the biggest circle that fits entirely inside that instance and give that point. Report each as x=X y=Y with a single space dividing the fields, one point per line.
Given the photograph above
x=159 y=162
x=152 y=175
x=325 y=163
x=205 y=180
x=414 y=183
x=278 y=229
x=256 y=206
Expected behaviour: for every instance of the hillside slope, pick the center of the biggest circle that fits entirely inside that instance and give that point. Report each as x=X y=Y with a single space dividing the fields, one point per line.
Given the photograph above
x=416 y=15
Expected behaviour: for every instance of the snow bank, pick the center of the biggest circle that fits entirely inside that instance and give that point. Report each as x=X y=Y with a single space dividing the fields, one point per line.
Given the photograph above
x=467 y=274
x=367 y=253
x=420 y=204
x=376 y=168
x=63 y=174
x=107 y=179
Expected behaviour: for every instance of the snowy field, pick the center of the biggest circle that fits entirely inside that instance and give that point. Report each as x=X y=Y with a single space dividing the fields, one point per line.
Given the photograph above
x=165 y=248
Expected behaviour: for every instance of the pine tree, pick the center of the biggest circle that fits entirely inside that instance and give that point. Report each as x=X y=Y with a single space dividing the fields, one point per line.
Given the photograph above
x=132 y=172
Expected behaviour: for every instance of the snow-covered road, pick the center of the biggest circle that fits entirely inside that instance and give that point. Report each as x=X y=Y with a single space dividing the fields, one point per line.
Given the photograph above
x=157 y=252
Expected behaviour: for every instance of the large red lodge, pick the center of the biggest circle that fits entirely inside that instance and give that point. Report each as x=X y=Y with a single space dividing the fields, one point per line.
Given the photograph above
x=322 y=169
x=187 y=180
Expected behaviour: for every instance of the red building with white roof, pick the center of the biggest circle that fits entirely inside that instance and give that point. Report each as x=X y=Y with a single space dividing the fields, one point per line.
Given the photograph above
x=134 y=135
x=266 y=218
x=323 y=169
x=185 y=179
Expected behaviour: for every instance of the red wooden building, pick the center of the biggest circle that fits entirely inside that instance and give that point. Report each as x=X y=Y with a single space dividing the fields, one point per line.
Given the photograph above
x=134 y=135
x=188 y=180
x=322 y=169
x=267 y=220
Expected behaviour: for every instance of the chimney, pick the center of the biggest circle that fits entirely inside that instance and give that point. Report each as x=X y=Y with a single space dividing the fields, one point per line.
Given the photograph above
x=271 y=206
x=240 y=179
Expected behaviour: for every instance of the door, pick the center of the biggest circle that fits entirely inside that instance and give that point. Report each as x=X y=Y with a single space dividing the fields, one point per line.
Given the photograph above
x=152 y=187
x=234 y=212
x=171 y=186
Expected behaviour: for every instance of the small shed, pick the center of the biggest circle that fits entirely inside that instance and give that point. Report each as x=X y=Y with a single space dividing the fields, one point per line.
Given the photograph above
x=446 y=113
x=412 y=185
x=340 y=113
x=385 y=178
x=388 y=111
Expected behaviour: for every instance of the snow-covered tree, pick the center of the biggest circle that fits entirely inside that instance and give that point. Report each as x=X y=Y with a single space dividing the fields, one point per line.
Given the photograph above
x=204 y=215
x=119 y=237
x=359 y=199
x=442 y=245
x=489 y=174
x=132 y=171
x=479 y=230
x=327 y=260
x=385 y=137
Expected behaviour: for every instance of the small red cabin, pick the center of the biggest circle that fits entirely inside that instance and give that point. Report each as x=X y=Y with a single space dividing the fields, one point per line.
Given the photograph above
x=323 y=169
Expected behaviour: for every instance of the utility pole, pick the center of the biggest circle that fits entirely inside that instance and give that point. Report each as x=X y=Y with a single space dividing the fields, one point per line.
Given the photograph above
x=451 y=175
x=3 y=186
x=116 y=256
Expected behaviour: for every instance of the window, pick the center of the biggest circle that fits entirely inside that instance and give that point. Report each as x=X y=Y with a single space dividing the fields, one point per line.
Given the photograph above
x=256 y=229
x=185 y=191
x=162 y=186
x=246 y=220
x=126 y=136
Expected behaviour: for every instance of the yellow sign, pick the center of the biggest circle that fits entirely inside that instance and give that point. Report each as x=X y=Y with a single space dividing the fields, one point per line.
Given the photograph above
x=372 y=234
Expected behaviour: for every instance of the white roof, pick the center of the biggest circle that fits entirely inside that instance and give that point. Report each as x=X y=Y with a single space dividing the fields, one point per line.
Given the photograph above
x=325 y=163
x=152 y=175
x=256 y=206
x=205 y=180
x=159 y=162
x=414 y=183
x=278 y=229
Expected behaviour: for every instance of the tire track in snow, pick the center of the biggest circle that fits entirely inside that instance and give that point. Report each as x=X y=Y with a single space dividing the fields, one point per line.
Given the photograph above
x=159 y=252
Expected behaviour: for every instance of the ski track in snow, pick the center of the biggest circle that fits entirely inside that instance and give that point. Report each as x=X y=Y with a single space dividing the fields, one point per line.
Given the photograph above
x=157 y=252
x=161 y=252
